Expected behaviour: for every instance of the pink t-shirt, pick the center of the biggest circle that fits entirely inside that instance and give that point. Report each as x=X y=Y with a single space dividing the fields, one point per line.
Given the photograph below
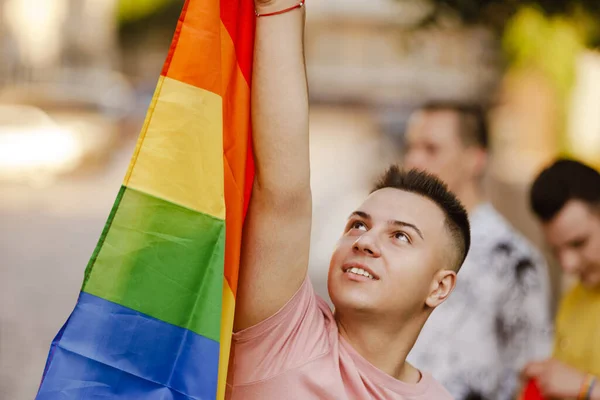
x=298 y=353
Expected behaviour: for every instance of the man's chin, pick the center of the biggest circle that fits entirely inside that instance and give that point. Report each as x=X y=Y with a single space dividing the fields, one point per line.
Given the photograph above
x=350 y=301
x=592 y=283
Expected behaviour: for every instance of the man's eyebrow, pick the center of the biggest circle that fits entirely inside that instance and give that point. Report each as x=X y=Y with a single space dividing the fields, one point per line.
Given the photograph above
x=407 y=225
x=360 y=214
x=402 y=224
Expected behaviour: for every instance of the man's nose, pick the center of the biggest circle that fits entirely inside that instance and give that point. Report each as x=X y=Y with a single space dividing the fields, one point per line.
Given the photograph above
x=414 y=159
x=367 y=244
x=570 y=262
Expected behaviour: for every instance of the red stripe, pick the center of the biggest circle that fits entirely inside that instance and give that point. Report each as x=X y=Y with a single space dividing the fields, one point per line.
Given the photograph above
x=239 y=20
x=175 y=40
x=237 y=17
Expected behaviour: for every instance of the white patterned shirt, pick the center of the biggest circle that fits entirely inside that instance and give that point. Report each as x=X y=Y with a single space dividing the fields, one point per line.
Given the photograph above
x=496 y=320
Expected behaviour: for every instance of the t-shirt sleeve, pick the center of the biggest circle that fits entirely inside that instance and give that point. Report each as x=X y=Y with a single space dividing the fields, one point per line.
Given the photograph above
x=296 y=334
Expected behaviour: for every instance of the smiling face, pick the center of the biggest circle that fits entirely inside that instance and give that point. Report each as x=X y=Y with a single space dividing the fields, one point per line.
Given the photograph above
x=395 y=256
x=574 y=237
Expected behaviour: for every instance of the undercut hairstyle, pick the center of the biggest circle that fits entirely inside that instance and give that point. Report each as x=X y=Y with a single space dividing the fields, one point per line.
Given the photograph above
x=472 y=121
x=430 y=187
x=561 y=182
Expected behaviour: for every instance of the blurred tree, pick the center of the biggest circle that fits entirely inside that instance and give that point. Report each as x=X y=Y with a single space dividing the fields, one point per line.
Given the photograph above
x=146 y=25
x=498 y=13
x=542 y=35
x=140 y=18
x=131 y=10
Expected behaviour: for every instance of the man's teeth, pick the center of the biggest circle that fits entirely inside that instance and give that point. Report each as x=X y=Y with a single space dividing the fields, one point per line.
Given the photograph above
x=360 y=271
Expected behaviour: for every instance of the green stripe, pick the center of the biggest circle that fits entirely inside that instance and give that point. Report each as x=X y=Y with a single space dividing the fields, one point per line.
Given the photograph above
x=163 y=260
x=105 y=231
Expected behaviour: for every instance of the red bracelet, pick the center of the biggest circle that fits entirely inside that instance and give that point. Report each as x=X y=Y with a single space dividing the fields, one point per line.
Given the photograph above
x=586 y=388
x=299 y=5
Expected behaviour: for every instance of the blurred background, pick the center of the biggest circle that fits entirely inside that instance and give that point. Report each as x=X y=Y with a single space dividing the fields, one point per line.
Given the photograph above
x=76 y=78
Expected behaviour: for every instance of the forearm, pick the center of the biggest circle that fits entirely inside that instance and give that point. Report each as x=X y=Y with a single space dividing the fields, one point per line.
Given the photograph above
x=280 y=102
x=276 y=241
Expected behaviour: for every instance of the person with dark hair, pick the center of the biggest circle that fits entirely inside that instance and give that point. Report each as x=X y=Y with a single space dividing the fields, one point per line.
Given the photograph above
x=566 y=199
x=498 y=318
x=395 y=262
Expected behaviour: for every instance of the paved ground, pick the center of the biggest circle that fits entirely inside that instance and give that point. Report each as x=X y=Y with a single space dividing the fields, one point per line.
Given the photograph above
x=46 y=238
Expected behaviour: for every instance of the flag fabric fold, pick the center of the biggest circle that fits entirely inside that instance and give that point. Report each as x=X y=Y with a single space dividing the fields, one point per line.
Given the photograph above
x=155 y=313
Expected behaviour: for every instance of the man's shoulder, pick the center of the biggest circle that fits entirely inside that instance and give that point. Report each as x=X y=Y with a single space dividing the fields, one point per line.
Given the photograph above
x=575 y=296
x=497 y=235
x=436 y=391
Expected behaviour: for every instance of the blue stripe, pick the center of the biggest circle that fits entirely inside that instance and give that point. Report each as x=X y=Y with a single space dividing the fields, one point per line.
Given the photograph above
x=108 y=351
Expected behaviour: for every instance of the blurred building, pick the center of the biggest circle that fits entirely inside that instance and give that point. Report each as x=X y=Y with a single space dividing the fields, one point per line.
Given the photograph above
x=57 y=33
x=59 y=63
x=377 y=53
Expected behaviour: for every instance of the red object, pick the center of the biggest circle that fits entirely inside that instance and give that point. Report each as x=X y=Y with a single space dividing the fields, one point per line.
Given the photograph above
x=299 y=5
x=532 y=392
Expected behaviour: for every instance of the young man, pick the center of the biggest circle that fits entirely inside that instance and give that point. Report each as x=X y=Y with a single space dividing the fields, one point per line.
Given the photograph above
x=566 y=198
x=498 y=317
x=395 y=262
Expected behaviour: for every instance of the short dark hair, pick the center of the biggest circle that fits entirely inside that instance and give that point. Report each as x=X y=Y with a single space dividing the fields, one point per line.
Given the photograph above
x=429 y=186
x=473 y=126
x=561 y=182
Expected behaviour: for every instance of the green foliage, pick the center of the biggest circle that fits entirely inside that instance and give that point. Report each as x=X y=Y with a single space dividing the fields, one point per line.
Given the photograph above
x=543 y=35
x=144 y=19
x=132 y=10
x=550 y=43
x=472 y=10
x=498 y=13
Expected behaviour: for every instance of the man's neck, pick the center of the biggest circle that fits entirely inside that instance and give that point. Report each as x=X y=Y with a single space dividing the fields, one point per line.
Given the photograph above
x=385 y=345
x=470 y=195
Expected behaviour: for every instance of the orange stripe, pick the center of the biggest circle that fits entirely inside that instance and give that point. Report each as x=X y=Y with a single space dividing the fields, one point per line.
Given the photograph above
x=236 y=125
x=175 y=40
x=197 y=59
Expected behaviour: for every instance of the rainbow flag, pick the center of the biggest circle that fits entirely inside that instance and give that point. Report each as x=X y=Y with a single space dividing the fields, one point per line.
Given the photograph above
x=155 y=313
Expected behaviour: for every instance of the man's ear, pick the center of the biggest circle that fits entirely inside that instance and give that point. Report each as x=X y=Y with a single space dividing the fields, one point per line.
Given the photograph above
x=477 y=160
x=442 y=285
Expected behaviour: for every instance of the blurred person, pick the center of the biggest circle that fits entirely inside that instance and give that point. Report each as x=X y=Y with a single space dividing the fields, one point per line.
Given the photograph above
x=566 y=199
x=498 y=318
x=395 y=262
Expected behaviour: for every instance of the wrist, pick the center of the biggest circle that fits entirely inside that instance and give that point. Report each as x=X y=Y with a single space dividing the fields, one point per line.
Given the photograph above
x=276 y=6
x=589 y=388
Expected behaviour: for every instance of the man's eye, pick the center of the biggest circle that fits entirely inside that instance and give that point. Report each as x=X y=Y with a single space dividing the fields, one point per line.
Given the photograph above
x=402 y=237
x=358 y=225
x=431 y=149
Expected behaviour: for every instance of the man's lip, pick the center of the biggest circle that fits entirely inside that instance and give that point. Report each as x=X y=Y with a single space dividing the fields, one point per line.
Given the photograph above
x=359 y=265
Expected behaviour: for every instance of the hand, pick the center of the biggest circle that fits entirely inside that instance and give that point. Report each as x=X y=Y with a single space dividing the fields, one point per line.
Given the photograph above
x=555 y=379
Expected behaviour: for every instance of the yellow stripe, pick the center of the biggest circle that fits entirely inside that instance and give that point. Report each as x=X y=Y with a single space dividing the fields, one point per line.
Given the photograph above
x=140 y=140
x=226 y=329
x=180 y=156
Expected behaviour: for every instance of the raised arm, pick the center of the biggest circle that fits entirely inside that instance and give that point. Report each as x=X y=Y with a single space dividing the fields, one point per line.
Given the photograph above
x=275 y=246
